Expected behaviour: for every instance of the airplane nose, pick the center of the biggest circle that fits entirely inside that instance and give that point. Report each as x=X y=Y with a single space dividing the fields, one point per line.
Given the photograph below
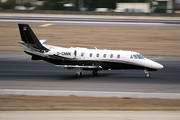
x=158 y=66
x=153 y=64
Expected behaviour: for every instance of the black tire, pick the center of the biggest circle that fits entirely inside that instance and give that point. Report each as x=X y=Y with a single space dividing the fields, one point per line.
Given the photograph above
x=148 y=75
x=95 y=72
x=79 y=75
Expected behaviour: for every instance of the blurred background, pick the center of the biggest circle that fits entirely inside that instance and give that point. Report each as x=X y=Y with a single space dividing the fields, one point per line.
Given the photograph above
x=142 y=6
x=151 y=27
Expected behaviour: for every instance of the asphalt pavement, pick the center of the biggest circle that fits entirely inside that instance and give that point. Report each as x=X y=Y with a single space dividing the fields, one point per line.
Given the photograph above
x=91 y=21
x=20 y=75
x=18 y=72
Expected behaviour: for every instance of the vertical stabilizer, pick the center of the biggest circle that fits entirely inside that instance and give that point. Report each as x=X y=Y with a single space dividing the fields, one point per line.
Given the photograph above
x=29 y=38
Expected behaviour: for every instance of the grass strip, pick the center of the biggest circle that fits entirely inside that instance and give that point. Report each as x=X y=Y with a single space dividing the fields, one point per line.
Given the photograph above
x=55 y=103
x=147 y=41
x=93 y=109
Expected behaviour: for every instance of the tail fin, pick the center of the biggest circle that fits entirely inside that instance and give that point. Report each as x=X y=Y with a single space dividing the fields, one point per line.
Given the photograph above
x=29 y=38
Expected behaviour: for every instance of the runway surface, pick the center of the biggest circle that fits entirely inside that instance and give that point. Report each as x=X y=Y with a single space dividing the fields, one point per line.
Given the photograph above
x=90 y=21
x=90 y=115
x=18 y=72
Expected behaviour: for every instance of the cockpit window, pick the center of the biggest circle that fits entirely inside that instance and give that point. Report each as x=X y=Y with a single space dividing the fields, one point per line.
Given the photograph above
x=140 y=56
x=135 y=57
x=131 y=57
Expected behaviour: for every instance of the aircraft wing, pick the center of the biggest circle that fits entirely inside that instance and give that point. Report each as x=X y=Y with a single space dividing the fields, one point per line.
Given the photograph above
x=92 y=67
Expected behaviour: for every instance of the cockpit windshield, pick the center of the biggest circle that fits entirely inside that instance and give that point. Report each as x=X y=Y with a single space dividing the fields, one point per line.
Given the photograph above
x=137 y=56
x=140 y=56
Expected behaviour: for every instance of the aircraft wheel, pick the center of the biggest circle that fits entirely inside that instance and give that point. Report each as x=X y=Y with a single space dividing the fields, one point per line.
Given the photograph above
x=79 y=74
x=148 y=75
x=95 y=72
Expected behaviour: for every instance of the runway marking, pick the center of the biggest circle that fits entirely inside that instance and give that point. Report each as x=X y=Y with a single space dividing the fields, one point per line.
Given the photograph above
x=45 y=25
x=155 y=58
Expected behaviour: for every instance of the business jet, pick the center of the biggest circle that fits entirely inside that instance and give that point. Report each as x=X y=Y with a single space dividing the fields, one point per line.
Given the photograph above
x=83 y=58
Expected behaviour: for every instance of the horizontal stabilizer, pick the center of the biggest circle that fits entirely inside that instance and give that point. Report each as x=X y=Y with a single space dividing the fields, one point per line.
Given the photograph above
x=43 y=41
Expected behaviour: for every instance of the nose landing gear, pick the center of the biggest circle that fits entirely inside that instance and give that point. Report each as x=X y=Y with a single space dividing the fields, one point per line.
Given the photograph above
x=147 y=73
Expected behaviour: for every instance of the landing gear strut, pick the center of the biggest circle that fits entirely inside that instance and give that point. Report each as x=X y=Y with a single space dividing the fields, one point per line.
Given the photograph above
x=95 y=72
x=147 y=73
x=79 y=72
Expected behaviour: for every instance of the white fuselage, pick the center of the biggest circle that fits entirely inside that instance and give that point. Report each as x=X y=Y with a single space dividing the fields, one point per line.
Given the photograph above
x=118 y=56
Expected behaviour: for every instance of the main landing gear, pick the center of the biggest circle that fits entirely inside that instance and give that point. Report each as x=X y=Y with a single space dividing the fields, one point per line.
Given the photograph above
x=95 y=72
x=79 y=72
x=147 y=73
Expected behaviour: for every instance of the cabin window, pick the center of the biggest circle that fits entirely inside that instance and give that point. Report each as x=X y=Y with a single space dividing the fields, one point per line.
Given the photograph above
x=104 y=55
x=135 y=57
x=90 y=55
x=97 y=55
x=82 y=54
x=111 y=56
x=118 y=56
